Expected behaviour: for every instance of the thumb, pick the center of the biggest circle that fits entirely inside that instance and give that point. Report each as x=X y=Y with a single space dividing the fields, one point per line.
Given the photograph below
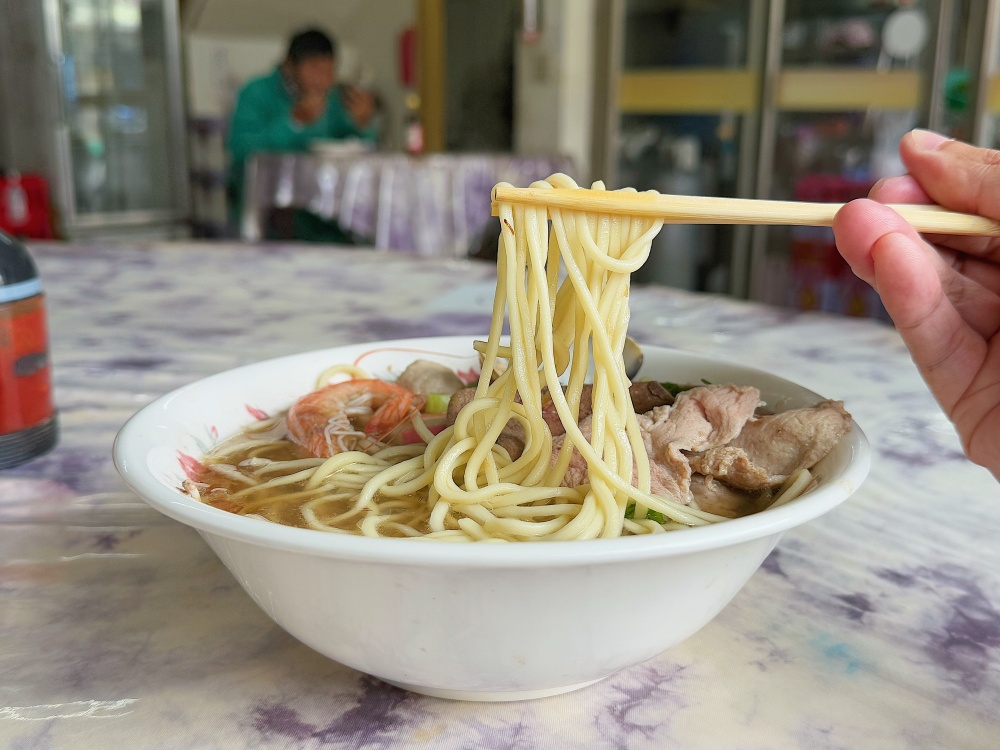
x=954 y=174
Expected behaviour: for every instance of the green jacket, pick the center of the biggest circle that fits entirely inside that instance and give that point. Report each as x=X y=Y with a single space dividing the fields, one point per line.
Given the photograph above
x=262 y=121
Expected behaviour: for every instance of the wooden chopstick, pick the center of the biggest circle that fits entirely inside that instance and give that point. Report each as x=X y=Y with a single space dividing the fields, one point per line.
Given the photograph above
x=688 y=209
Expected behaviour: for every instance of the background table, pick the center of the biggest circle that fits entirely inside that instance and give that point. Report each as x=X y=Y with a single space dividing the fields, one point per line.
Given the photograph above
x=877 y=626
x=427 y=205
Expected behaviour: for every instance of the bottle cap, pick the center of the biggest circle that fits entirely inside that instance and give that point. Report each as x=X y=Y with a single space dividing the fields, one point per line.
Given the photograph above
x=18 y=275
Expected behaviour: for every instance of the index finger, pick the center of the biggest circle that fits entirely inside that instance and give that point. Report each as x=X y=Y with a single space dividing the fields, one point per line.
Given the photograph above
x=906 y=189
x=885 y=251
x=861 y=225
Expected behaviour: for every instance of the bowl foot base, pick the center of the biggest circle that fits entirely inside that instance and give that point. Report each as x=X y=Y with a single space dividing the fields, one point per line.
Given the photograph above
x=472 y=695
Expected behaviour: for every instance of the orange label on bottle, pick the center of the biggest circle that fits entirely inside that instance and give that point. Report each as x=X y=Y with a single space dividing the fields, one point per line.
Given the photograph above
x=25 y=377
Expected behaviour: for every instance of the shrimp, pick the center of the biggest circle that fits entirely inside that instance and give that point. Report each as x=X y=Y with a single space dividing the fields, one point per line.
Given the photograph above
x=324 y=421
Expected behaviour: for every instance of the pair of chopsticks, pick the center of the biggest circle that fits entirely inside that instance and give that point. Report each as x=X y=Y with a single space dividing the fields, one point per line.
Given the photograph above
x=688 y=209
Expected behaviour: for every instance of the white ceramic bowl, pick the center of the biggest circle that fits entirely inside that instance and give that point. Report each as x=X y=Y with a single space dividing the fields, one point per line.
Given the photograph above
x=467 y=621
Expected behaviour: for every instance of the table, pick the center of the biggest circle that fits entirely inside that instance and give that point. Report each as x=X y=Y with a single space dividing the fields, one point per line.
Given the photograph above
x=427 y=205
x=877 y=626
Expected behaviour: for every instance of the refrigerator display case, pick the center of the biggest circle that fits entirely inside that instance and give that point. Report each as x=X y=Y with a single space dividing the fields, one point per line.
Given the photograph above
x=100 y=111
x=784 y=99
x=849 y=79
x=687 y=93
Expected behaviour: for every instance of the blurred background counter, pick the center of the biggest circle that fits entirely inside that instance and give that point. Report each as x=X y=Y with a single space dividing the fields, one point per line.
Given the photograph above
x=430 y=205
x=122 y=108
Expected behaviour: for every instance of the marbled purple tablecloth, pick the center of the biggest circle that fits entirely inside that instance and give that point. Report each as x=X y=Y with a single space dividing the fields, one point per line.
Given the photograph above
x=877 y=626
x=431 y=205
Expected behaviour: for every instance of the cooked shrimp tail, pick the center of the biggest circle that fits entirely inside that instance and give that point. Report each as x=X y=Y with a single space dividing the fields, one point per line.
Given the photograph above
x=352 y=415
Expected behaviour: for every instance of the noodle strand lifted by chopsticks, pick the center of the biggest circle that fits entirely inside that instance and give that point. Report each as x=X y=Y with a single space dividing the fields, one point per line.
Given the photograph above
x=472 y=486
x=563 y=286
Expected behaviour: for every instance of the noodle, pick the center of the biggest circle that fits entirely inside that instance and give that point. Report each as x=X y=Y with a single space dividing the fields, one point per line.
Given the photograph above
x=462 y=485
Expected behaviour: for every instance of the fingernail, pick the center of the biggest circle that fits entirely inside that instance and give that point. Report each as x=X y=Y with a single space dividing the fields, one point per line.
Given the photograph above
x=927 y=140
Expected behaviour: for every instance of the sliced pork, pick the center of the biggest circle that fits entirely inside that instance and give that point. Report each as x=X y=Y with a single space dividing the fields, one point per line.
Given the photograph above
x=721 y=499
x=665 y=479
x=644 y=394
x=706 y=445
x=795 y=439
x=772 y=447
x=670 y=474
x=733 y=466
x=702 y=418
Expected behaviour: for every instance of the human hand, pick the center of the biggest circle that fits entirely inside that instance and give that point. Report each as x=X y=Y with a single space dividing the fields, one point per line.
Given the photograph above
x=360 y=105
x=310 y=106
x=943 y=292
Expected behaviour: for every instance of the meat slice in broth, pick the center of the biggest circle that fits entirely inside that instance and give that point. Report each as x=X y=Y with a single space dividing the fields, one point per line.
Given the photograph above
x=670 y=474
x=645 y=395
x=668 y=478
x=648 y=394
x=773 y=446
x=702 y=418
x=733 y=466
x=706 y=445
x=715 y=497
x=705 y=417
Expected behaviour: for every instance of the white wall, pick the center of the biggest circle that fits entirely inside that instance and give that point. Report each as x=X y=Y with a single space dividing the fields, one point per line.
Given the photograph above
x=553 y=106
x=216 y=67
x=229 y=41
x=373 y=31
x=553 y=76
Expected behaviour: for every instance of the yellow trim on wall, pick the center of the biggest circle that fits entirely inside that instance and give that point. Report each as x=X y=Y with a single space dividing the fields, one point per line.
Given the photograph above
x=688 y=91
x=799 y=89
x=840 y=89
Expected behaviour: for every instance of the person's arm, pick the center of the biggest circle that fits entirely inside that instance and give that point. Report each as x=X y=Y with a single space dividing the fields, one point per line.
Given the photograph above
x=942 y=292
x=255 y=128
x=344 y=115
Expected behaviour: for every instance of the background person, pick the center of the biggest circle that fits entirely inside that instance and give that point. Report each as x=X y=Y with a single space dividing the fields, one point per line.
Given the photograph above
x=289 y=108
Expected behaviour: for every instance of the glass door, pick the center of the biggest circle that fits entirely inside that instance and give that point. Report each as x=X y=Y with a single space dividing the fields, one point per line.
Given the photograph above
x=850 y=79
x=120 y=110
x=782 y=99
x=688 y=94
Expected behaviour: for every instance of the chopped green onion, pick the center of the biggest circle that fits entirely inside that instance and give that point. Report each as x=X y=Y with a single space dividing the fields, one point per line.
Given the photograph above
x=674 y=388
x=437 y=403
x=653 y=515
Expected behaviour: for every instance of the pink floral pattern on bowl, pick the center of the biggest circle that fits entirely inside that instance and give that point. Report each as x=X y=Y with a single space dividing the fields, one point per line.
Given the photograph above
x=384 y=362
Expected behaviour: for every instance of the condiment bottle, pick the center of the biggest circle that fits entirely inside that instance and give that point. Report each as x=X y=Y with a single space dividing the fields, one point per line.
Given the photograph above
x=28 y=422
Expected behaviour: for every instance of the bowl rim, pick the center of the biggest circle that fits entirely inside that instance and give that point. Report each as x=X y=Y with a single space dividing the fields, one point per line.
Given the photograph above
x=133 y=443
